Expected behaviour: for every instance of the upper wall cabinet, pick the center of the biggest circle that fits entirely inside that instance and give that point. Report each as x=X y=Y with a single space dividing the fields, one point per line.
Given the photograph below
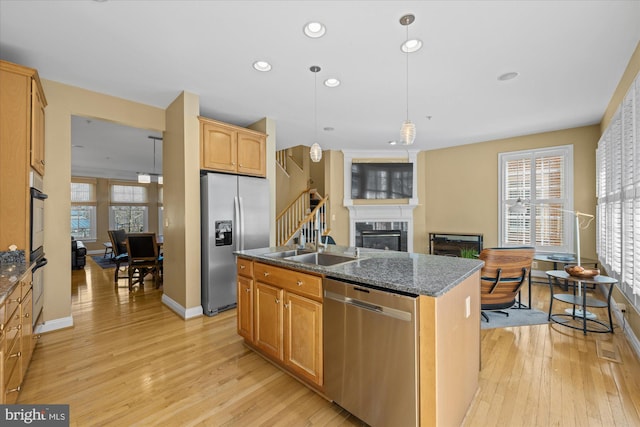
x=233 y=149
x=22 y=105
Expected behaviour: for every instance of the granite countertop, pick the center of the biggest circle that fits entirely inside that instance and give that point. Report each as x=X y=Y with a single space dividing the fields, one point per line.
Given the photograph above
x=412 y=273
x=12 y=267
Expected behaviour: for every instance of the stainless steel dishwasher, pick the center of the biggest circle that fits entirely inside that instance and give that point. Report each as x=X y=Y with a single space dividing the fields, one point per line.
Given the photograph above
x=371 y=353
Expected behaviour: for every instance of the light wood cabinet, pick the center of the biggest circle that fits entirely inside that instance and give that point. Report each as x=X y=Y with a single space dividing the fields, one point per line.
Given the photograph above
x=16 y=340
x=268 y=318
x=303 y=337
x=287 y=314
x=232 y=149
x=22 y=105
x=245 y=298
x=37 y=127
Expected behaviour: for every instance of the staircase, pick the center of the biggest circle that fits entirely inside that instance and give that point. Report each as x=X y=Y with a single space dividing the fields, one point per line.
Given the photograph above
x=306 y=214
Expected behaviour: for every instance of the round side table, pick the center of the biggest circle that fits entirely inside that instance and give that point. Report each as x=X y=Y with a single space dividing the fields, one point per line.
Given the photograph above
x=582 y=301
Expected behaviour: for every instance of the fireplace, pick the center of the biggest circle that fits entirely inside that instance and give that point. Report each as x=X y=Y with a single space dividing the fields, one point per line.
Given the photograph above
x=389 y=240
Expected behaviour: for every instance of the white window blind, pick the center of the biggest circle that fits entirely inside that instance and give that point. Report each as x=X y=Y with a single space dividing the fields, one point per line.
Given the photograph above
x=543 y=180
x=618 y=192
x=83 y=209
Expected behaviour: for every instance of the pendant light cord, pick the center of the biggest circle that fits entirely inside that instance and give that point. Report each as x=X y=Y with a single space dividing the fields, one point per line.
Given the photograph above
x=315 y=105
x=407 y=54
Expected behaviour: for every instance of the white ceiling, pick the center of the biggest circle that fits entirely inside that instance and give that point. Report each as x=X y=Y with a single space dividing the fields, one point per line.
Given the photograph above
x=570 y=56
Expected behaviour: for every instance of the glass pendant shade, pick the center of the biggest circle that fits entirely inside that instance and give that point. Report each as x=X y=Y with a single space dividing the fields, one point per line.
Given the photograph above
x=315 y=153
x=407 y=132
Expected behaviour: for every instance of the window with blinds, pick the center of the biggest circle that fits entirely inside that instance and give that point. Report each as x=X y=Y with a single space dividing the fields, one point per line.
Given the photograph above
x=83 y=209
x=618 y=192
x=129 y=207
x=542 y=181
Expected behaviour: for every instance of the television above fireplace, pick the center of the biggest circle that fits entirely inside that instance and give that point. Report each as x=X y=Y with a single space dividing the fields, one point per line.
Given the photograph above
x=382 y=180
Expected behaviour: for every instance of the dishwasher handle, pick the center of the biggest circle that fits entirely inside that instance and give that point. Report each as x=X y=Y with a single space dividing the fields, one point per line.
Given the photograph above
x=364 y=305
x=379 y=309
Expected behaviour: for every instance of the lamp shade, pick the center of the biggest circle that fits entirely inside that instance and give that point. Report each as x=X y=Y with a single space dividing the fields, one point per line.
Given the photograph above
x=407 y=133
x=315 y=153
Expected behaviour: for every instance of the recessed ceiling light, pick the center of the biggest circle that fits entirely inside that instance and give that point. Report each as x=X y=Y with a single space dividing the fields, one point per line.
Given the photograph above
x=508 y=76
x=392 y=142
x=77 y=146
x=332 y=82
x=411 y=46
x=315 y=30
x=262 y=66
x=329 y=129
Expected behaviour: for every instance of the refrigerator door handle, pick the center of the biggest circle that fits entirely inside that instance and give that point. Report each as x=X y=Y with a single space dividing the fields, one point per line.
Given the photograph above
x=236 y=221
x=241 y=224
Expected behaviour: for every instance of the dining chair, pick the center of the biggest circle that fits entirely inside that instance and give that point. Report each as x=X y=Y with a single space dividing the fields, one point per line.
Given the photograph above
x=143 y=258
x=119 y=246
x=505 y=271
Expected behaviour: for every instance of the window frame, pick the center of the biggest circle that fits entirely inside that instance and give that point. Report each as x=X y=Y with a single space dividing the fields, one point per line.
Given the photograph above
x=128 y=204
x=90 y=204
x=504 y=203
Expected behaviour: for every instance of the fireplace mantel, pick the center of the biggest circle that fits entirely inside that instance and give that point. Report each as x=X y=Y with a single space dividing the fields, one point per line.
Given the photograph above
x=368 y=212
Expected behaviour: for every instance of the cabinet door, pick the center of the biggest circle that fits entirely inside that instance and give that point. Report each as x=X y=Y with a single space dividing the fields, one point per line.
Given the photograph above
x=37 y=129
x=268 y=310
x=245 y=307
x=303 y=337
x=219 y=147
x=251 y=154
x=28 y=342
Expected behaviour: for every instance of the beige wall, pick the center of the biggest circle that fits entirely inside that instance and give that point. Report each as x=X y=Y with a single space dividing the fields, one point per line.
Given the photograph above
x=181 y=144
x=268 y=126
x=633 y=68
x=462 y=183
x=65 y=101
x=334 y=187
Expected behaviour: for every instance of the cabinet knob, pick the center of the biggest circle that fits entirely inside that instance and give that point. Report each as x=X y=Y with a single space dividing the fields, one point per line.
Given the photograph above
x=299 y=282
x=242 y=267
x=286 y=306
x=27 y=315
x=266 y=273
x=42 y=161
x=277 y=301
x=13 y=390
x=18 y=354
x=247 y=290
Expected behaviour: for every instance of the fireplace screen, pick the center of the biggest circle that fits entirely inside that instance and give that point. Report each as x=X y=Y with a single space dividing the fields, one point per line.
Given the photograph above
x=389 y=235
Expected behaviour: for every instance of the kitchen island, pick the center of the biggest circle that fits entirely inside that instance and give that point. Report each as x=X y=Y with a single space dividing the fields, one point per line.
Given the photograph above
x=280 y=315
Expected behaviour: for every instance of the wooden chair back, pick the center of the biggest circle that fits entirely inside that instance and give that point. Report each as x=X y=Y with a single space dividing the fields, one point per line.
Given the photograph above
x=118 y=241
x=142 y=247
x=505 y=271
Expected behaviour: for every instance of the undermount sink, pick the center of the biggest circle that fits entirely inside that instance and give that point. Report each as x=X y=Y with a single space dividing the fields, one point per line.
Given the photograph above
x=287 y=254
x=320 y=258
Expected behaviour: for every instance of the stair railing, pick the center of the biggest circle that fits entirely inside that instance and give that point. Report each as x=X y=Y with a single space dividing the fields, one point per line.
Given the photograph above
x=299 y=217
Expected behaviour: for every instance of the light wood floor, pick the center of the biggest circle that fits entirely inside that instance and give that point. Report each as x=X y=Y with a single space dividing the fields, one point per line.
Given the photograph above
x=129 y=360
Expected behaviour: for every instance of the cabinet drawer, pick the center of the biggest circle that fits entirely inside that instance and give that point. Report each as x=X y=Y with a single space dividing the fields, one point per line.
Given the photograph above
x=12 y=384
x=11 y=303
x=291 y=280
x=245 y=267
x=11 y=358
x=12 y=331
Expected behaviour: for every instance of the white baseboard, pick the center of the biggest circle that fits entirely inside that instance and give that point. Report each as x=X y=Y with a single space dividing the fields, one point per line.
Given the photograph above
x=185 y=313
x=54 y=325
x=631 y=337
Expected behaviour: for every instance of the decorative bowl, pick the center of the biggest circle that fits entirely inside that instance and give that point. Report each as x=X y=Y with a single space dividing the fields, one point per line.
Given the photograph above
x=581 y=272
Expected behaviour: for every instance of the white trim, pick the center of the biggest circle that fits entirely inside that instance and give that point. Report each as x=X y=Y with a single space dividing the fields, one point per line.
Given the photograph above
x=187 y=313
x=381 y=213
x=54 y=325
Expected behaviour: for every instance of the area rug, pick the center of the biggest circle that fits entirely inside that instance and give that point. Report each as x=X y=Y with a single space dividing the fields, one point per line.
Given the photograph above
x=103 y=262
x=516 y=318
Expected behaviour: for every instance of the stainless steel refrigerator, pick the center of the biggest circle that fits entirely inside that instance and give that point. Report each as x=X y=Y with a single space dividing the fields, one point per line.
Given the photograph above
x=235 y=216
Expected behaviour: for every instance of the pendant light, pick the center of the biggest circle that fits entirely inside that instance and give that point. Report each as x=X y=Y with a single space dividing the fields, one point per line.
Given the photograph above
x=145 y=177
x=408 y=129
x=316 y=151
